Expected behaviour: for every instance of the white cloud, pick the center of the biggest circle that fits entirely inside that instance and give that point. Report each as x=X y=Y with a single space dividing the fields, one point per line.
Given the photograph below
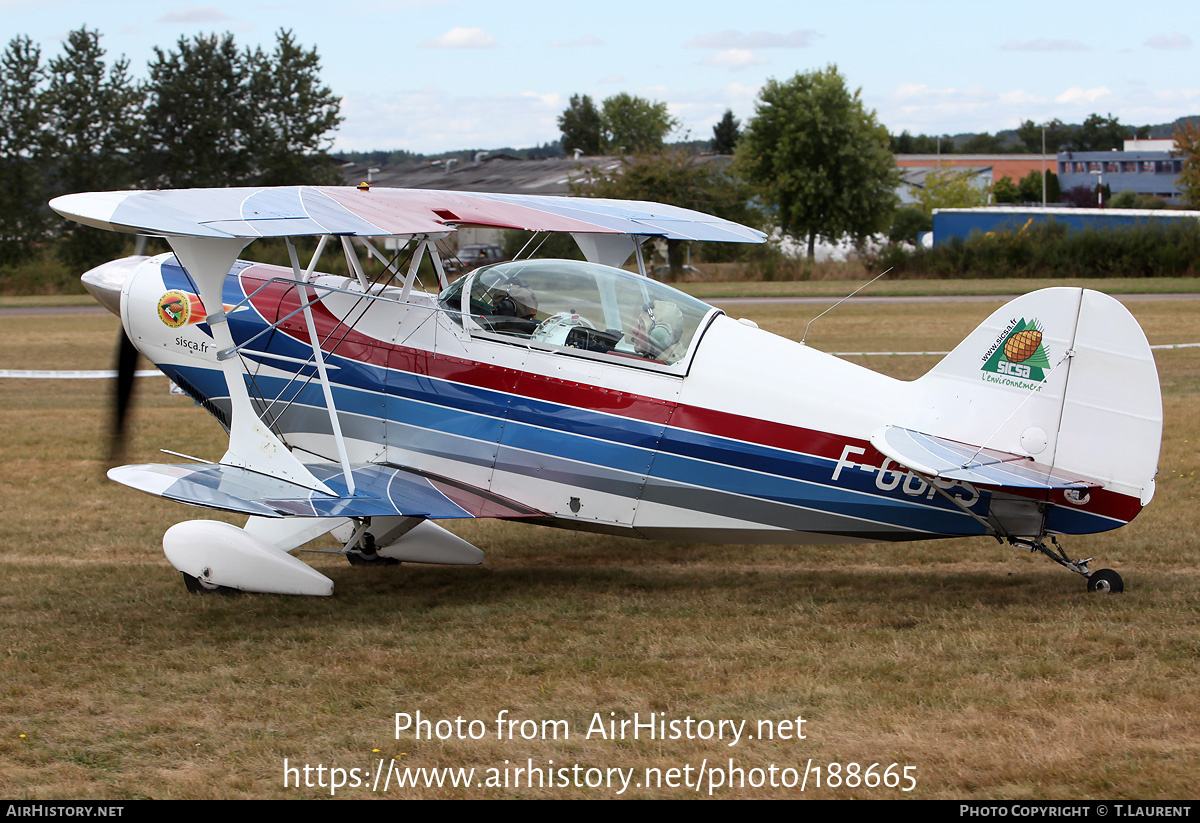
x=922 y=94
x=1021 y=97
x=923 y=109
x=733 y=59
x=1177 y=95
x=461 y=38
x=205 y=14
x=1075 y=94
x=552 y=99
x=910 y=91
x=700 y=110
x=731 y=39
x=431 y=120
x=588 y=40
x=1172 y=42
x=1042 y=44
x=610 y=79
x=739 y=91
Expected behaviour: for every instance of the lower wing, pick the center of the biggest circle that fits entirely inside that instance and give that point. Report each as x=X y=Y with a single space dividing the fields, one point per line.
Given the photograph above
x=380 y=491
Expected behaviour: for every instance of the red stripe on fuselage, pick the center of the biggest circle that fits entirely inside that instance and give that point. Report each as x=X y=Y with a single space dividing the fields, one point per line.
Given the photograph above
x=280 y=299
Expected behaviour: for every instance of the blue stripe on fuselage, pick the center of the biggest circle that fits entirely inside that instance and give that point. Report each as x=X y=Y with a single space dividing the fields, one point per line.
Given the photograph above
x=614 y=442
x=584 y=436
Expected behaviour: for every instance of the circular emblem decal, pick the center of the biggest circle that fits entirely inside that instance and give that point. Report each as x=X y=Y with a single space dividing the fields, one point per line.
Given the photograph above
x=1079 y=497
x=174 y=308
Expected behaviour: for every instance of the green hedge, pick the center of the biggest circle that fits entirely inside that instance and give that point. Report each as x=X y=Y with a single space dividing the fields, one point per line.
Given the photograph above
x=1051 y=250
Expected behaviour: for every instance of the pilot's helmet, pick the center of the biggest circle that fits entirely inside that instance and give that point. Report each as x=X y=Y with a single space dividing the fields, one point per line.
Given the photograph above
x=518 y=300
x=659 y=328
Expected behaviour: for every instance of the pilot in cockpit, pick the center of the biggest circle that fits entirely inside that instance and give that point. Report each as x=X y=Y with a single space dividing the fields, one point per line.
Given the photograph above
x=513 y=309
x=516 y=300
x=657 y=332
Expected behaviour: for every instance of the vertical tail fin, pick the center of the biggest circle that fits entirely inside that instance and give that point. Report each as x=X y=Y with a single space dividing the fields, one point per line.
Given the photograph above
x=1063 y=375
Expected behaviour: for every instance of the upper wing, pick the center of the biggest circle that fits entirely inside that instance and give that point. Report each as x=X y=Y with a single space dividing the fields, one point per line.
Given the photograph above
x=946 y=459
x=293 y=211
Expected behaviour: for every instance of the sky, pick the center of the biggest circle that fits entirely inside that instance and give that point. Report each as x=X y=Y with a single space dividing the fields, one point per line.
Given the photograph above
x=437 y=75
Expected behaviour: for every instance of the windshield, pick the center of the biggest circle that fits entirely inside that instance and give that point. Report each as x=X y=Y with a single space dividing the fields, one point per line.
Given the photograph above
x=580 y=305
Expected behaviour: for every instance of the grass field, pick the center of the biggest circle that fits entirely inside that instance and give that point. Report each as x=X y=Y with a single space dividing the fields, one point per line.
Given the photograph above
x=836 y=289
x=989 y=672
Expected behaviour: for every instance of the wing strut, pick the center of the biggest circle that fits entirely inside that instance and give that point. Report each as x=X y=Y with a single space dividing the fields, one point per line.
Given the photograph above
x=306 y=302
x=252 y=445
x=425 y=243
x=355 y=265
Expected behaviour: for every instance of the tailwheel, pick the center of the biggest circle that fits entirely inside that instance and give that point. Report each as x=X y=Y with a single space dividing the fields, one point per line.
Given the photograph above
x=196 y=585
x=1105 y=580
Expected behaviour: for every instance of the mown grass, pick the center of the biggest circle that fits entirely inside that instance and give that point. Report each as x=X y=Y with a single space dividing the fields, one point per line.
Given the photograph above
x=715 y=291
x=896 y=287
x=989 y=670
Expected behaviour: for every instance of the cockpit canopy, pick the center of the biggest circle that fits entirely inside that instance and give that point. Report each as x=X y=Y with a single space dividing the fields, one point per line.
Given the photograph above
x=579 y=305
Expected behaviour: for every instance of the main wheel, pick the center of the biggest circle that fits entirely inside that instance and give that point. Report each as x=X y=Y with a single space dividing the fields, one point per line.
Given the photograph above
x=197 y=586
x=1105 y=580
x=357 y=557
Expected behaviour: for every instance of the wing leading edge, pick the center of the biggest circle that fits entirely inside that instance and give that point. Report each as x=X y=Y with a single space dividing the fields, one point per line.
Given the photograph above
x=293 y=211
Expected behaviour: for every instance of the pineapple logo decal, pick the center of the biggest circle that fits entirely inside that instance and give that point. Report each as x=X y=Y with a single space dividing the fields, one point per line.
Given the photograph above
x=1019 y=352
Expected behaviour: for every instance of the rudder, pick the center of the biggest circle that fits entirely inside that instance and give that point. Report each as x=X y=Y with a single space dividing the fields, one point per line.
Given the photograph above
x=1063 y=375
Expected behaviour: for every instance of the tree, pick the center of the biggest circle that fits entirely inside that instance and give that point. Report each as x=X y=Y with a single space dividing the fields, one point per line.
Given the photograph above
x=949 y=188
x=907 y=225
x=218 y=116
x=1086 y=197
x=293 y=116
x=634 y=125
x=1059 y=136
x=624 y=124
x=1125 y=200
x=906 y=143
x=1031 y=187
x=726 y=134
x=676 y=178
x=982 y=144
x=92 y=116
x=1101 y=134
x=822 y=160
x=1187 y=145
x=582 y=127
x=1005 y=190
x=198 y=115
x=22 y=155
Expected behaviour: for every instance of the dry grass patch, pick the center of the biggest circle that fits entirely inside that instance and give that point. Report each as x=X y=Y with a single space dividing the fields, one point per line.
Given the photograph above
x=990 y=671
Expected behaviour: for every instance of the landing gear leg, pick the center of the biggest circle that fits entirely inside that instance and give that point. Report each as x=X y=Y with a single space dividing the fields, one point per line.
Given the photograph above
x=367 y=554
x=1102 y=580
x=362 y=551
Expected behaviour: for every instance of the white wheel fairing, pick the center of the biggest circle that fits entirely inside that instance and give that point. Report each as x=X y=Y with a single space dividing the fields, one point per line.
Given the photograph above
x=221 y=554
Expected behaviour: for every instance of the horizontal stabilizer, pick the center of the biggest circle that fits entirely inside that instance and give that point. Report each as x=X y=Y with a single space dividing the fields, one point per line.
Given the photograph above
x=937 y=457
x=379 y=491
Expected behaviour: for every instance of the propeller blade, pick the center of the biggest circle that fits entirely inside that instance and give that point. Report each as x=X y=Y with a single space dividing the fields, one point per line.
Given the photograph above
x=127 y=356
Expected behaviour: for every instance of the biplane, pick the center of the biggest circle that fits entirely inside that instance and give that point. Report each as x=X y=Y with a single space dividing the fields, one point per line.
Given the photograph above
x=582 y=395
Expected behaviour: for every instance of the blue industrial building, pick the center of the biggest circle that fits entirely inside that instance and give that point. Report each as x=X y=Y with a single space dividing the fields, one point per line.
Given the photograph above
x=1144 y=167
x=961 y=223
